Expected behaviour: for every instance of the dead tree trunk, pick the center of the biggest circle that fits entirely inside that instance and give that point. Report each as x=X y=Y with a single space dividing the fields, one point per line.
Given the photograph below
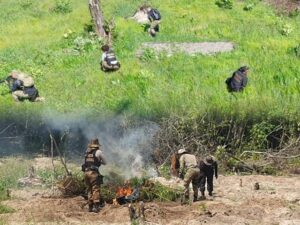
x=96 y=13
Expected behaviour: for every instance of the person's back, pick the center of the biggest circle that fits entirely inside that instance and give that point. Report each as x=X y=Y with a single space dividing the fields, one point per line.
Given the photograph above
x=23 y=87
x=109 y=60
x=239 y=80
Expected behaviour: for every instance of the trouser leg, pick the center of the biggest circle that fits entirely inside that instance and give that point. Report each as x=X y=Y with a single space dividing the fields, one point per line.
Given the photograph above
x=202 y=182
x=210 y=186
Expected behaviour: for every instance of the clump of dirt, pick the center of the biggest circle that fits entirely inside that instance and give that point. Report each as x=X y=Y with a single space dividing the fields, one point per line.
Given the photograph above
x=276 y=202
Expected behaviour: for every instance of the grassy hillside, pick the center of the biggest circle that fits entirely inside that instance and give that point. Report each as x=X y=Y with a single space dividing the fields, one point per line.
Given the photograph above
x=32 y=40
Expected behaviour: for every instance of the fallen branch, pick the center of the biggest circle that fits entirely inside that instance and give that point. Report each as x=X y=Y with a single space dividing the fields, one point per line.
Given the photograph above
x=6 y=128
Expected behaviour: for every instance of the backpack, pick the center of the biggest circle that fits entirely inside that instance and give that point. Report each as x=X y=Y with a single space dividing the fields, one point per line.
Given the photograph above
x=154 y=14
x=111 y=58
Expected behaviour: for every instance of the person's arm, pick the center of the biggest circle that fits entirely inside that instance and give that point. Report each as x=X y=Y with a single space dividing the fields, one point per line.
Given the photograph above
x=181 y=168
x=244 y=82
x=216 y=169
x=103 y=56
x=101 y=157
x=16 y=85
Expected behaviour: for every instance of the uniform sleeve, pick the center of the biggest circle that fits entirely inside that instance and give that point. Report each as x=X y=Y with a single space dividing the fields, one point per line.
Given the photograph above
x=16 y=85
x=216 y=168
x=244 y=82
x=100 y=156
x=103 y=56
x=181 y=163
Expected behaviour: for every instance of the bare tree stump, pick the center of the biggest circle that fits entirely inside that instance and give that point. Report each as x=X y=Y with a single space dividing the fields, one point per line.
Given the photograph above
x=97 y=16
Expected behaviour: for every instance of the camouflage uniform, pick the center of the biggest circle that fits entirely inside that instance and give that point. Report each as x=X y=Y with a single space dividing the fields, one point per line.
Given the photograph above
x=93 y=160
x=23 y=87
x=188 y=163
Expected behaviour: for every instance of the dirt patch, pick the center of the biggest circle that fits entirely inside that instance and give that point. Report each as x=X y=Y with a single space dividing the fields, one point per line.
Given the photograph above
x=206 y=48
x=286 y=6
x=276 y=202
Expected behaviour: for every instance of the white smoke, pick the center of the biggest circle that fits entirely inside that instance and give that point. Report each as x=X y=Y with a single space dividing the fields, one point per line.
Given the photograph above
x=126 y=147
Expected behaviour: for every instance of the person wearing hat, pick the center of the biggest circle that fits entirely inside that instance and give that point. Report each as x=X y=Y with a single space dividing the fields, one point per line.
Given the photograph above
x=22 y=87
x=109 y=60
x=190 y=172
x=93 y=179
x=239 y=80
x=208 y=168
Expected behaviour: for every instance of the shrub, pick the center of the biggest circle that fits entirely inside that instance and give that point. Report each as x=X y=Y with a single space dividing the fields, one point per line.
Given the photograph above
x=297 y=50
x=286 y=29
x=225 y=4
x=5 y=209
x=249 y=7
x=295 y=13
x=62 y=6
x=25 y=4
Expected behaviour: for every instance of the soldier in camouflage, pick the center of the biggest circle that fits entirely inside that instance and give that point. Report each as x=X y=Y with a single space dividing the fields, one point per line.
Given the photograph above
x=93 y=179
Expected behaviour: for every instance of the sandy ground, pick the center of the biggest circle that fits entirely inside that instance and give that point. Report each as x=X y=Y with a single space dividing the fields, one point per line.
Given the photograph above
x=235 y=202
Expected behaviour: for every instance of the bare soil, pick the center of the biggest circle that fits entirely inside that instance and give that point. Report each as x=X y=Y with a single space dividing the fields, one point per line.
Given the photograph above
x=285 y=5
x=235 y=202
x=190 y=48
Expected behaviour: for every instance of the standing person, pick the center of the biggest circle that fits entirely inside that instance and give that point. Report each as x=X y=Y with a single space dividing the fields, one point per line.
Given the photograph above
x=93 y=179
x=208 y=168
x=154 y=18
x=23 y=87
x=109 y=60
x=239 y=80
x=190 y=172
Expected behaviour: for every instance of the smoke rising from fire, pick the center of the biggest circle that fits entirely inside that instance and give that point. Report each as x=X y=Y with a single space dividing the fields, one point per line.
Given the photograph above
x=127 y=145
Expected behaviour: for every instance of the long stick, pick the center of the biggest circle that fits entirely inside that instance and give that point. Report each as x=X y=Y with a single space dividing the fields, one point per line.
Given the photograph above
x=59 y=153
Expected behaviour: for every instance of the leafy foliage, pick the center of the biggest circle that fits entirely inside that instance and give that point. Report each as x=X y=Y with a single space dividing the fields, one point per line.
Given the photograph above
x=297 y=50
x=249 y=7
x=62 y=6
x=6 y=209
x=225 y=4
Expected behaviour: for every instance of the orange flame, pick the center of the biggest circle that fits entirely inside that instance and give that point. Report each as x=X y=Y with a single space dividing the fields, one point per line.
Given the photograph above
x=124 y=191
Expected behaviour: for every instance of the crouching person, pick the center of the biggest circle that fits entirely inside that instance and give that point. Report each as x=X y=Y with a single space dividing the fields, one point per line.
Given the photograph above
x=93 y=179
x=23 y=88
x=154 y=17
x=109 y=60
x=190 y=172
x=208 y=168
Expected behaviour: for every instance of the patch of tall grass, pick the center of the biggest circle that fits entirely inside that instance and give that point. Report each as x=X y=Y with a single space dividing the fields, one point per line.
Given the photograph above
x=11 y=169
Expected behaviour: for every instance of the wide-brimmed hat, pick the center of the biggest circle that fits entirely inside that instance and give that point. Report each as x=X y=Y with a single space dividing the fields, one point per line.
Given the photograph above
x=182 y=150
x=208 y=160
x=94 y=143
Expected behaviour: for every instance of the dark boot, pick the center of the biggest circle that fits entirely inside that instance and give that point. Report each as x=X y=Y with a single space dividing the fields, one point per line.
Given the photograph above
x=90 y=207
x=96 y=208
x=210 y=194
x=202 y=195
x=195 y=199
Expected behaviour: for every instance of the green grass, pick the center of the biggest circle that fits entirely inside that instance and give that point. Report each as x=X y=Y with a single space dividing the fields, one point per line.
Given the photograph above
x=5 y=209
x=11 y=169
x=31 y=39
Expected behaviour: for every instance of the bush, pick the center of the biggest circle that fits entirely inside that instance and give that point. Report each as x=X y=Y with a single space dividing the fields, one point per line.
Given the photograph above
x=5 y=209
x=62 y=6
x=249 y=7
x=295 y=13
x=286 y=29
x=297 y=50
x=225 y=4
